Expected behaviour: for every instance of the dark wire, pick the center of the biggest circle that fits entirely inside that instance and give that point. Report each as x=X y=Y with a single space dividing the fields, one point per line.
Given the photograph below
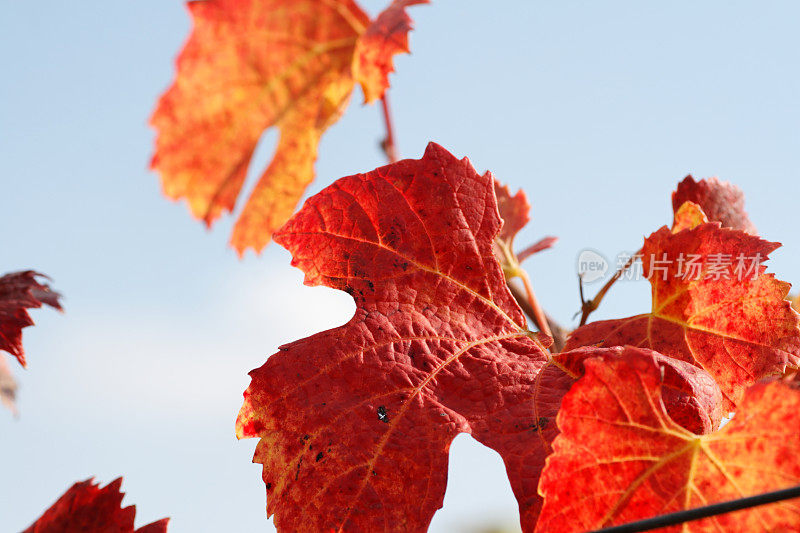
x=697 y=513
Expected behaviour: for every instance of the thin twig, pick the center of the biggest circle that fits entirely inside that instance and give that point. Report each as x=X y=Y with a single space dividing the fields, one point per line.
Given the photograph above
x=388 y=145
x=557 y=332
x=588 y=307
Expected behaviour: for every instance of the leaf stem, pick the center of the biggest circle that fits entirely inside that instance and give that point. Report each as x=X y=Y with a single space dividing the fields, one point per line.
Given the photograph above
x=558 y=333
x=539 y=317
x=388 y=145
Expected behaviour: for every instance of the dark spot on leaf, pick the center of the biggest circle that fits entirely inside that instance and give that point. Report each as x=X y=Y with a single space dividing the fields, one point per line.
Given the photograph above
x=541 y=423
x=348 y=289
x=296 y=474
x=382 y=416
x=269 y=486
x=320 y=455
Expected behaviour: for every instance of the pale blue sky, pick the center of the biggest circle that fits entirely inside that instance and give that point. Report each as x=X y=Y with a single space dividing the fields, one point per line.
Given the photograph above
x=597 y=109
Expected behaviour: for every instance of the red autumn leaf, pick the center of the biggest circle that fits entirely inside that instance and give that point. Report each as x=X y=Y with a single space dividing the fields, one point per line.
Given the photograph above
x=739 y=330
x=621 y=458
x=355 y=422
x=385 y=37
x=719 y=200
x=691 y=397
x=86 y=507
x=250 y=65
x=20 y=291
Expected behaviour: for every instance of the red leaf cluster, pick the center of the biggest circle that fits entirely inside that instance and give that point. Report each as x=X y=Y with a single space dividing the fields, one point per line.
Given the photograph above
x=355 y=422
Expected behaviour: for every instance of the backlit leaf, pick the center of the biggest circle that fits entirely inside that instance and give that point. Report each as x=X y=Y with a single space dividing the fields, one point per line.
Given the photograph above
x=620 y=457
x=355 y=422
x=691 y=397
x=86 y=508
x=739 y=327
x=253 y=64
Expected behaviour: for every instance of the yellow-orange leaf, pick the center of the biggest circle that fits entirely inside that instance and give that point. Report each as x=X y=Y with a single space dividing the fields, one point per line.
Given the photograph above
x=249 y=65
x=253 y=64
x=621 y=458
x=689 y=215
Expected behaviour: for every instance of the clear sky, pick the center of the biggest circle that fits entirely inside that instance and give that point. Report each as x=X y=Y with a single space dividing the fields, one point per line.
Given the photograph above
x=596 y=109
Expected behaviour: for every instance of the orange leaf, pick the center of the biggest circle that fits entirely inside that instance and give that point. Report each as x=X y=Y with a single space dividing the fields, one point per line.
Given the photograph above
x=719 y=200
x=739 y=330
x=691 y=396
x=621 y=458
x=20 y=291
x=250 y=65
x=86 y=507
x=385 y=37
x=355 y=422
x=688 y=216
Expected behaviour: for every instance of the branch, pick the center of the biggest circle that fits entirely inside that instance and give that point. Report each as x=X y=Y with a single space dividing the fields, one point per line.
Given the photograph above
x=388 y=145
x=587 y=307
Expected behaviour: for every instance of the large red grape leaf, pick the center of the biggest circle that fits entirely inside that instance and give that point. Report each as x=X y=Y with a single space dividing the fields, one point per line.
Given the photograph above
x=20 y=291
x=250 y=65
x=691 y=397
x=720 y=201
x=739 y=330
x=386 y=36
x=86 y=507
x=355 y=422
x=621 y=458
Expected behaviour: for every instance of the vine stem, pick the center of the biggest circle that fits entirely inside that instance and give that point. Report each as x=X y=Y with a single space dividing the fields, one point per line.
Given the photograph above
x=558 y=333
x=587 y=307
x=388 y=145
x=538 y=314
